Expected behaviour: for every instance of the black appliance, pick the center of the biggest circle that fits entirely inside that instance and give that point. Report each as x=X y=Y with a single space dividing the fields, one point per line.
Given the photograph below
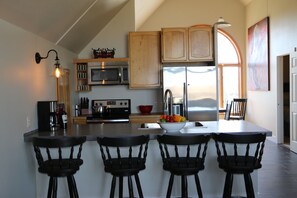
x=110 y=111
x=46 y=114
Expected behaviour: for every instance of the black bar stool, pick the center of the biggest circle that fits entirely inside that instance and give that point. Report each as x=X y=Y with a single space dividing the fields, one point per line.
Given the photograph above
x=179 y=160
x=124 y=157
x=239 y=153
x=55 y=161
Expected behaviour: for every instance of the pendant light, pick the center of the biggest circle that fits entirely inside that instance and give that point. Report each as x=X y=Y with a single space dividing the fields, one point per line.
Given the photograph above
x=221 y=23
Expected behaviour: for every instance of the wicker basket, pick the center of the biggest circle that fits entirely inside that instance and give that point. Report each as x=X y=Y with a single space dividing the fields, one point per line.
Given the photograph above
x=104 y=53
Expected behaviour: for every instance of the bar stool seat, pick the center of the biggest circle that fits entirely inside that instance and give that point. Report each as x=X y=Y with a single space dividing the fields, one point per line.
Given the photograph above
x=239 y=153
x=124 y=157
x=183 y=155
x=52 y=160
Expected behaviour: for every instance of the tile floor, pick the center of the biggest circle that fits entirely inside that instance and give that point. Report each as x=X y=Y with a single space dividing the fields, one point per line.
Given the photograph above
x=278 y=175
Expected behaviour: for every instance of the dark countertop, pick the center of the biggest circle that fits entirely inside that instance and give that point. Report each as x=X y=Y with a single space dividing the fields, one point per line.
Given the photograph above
x=92 y=131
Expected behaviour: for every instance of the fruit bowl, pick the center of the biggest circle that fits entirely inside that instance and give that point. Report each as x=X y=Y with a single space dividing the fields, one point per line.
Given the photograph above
x=172 y=126
x=145 y=109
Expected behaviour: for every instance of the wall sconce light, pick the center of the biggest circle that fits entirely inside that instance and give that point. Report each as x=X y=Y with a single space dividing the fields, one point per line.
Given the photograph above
x=222 y=23
x=58 y=71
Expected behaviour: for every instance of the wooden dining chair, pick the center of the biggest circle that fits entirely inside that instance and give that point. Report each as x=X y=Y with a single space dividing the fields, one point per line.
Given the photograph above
x=237 y=109
x=228 y=111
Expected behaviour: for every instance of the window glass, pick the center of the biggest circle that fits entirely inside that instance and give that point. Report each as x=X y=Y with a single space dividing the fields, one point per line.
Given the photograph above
x=230 y=83
x=226 y=50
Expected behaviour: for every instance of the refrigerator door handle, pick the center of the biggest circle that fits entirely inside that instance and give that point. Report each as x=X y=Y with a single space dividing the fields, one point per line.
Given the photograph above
x=185 y=99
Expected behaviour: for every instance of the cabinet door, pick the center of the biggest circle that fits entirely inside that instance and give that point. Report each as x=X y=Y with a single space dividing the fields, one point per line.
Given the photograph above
x=200 y=44
x=145 y=64
x=174 y=44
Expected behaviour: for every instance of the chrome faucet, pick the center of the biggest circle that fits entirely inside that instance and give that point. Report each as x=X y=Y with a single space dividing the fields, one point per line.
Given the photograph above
x=168 y=107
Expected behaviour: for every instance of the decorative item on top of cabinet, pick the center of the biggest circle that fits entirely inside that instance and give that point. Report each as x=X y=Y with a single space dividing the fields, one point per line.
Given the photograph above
x=145 y=60
x=194 y=44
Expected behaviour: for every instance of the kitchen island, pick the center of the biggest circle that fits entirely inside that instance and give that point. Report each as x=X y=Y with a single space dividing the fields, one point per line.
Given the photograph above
x=92 y=181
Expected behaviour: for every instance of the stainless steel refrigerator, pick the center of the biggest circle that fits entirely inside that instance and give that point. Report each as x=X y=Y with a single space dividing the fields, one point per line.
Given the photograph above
x=194 y=90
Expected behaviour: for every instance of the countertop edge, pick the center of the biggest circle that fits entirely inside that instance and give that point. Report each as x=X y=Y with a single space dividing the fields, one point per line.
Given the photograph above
x=92 y=131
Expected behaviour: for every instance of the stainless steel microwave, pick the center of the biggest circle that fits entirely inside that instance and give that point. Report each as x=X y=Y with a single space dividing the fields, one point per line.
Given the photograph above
x=108 y=75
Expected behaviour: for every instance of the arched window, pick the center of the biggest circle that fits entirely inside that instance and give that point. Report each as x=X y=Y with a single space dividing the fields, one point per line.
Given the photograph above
x=230 y=66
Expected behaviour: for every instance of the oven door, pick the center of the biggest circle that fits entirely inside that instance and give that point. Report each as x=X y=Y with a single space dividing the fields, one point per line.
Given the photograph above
x=110 y=75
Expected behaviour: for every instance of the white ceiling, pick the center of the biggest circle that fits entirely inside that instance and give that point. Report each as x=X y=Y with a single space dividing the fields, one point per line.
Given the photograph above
x=71 y=23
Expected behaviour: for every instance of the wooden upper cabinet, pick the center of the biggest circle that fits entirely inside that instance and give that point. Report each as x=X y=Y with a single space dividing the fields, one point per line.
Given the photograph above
x=194 y=44
x=200 y=44
x=145 y=61
x=174 y=44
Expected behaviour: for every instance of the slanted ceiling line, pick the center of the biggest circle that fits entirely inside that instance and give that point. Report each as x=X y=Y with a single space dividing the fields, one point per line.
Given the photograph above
x=85 y=12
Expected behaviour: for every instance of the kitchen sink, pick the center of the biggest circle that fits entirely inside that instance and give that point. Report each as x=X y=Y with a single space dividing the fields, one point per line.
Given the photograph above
x=150 y=126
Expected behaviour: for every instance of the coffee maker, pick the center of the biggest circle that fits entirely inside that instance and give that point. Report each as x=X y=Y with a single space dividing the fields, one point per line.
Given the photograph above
x=47 y=115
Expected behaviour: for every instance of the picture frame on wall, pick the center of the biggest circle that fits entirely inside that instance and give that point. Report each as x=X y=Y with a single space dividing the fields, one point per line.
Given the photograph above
x=258 y=56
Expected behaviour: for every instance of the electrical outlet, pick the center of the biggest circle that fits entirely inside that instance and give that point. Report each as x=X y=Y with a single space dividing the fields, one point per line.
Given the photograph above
x=28 y=122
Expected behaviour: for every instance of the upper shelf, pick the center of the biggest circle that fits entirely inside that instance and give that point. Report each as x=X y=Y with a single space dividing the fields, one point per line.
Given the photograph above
x=101 y=60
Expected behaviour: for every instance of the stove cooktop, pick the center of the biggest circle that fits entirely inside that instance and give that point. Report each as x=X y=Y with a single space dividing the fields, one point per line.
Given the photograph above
x=118 y=111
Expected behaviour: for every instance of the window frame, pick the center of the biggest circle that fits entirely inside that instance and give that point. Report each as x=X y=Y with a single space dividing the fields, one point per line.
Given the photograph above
x=221 y=65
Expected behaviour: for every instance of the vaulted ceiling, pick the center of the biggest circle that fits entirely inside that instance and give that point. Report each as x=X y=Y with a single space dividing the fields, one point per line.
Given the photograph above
x=71 y=23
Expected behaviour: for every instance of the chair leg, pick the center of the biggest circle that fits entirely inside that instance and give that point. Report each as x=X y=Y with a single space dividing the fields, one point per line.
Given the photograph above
x=55 y=187
x=130 y=186
x=198 y=186
x=50 y=187
x=120 y=187
x=249 y=186
x=138 y=186
x=184 y=186
x=228 y=185
x=169 y=189
x=72 y=187
x=112 y=189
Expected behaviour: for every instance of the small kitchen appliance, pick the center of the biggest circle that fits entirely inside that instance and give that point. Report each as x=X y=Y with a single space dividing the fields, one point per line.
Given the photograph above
x=110 y=111
x=47 y=116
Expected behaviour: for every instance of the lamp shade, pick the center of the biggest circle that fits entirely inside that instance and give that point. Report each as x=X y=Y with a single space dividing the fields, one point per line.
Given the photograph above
x=222 y=23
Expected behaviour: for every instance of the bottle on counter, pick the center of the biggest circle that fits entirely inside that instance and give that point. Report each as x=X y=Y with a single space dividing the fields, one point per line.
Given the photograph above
x=77 y=111
x=64 y=120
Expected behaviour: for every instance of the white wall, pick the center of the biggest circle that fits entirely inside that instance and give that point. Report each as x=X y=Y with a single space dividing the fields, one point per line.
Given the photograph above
x=262 y=105
x=22 y=84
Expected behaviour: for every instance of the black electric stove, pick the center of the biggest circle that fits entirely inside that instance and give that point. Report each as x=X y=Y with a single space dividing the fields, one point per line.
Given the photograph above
x=117 y=111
